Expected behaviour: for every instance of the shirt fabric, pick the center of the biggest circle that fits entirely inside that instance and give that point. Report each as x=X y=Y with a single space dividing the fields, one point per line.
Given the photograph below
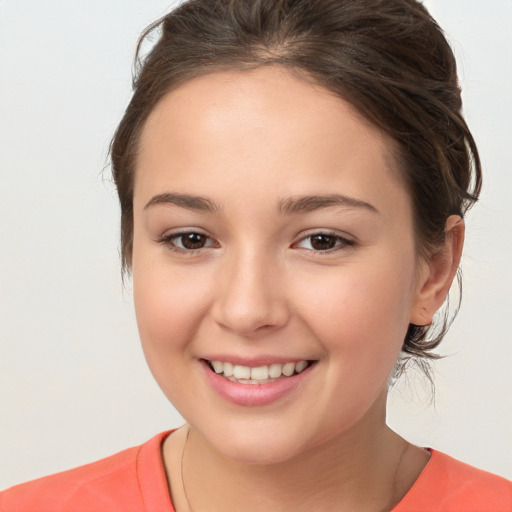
x=134 y=480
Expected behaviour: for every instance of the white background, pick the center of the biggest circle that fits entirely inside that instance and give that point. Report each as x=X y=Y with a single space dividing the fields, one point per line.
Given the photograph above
x=74 y=386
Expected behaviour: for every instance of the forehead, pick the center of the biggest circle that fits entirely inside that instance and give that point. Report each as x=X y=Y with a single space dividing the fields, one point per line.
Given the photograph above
x=264 y=96
x=267 y=127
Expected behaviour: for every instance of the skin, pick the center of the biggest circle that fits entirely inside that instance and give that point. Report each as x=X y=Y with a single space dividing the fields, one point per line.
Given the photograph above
x=250 y=142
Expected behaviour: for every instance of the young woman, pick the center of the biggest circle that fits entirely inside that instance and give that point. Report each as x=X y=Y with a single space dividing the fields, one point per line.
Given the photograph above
x=293 y=178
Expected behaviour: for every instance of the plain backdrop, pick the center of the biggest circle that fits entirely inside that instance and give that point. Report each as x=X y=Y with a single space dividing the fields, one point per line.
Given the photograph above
x=74 y=386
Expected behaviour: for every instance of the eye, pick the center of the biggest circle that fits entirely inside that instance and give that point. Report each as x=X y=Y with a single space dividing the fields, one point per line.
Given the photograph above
x=324 y=242
x=188 y=241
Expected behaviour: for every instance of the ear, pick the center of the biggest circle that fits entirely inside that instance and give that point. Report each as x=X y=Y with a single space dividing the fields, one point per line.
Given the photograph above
x=437 y=273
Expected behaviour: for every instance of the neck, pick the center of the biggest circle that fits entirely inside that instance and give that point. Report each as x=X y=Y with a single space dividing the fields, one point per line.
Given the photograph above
x=369 y=468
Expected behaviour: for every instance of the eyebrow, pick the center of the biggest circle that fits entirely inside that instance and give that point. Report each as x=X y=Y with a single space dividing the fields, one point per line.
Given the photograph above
x=299 y=204
x=196 y=203
x=304 y=204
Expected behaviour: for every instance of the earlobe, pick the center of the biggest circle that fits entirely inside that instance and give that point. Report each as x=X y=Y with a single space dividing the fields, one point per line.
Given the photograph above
x=439 y=272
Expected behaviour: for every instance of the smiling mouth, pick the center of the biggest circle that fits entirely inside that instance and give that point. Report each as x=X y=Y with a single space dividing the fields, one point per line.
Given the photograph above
x=259 y=374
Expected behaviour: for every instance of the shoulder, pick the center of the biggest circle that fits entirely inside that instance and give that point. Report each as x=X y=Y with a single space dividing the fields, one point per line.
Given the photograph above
x=448 y=485
x=111 y=484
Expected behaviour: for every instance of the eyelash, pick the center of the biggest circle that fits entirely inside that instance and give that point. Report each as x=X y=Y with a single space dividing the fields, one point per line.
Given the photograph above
x=169 y=241
x=341 y=242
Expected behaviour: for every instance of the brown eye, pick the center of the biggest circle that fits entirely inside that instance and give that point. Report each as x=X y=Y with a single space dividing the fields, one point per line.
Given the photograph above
x=323 y=242
x=188 y=241
x=191 y=241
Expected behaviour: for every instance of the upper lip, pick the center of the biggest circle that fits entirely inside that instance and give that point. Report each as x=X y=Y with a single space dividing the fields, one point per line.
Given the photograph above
x=254 y=361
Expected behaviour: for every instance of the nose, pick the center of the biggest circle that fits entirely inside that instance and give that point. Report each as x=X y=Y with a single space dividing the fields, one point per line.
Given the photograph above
x=251 y=296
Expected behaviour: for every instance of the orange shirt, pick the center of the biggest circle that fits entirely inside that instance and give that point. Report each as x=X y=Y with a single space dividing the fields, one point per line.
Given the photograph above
x=134 y=481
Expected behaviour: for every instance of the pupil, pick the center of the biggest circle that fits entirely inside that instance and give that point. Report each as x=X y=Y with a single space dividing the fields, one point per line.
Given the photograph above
x=323 y=242
x=193 y=241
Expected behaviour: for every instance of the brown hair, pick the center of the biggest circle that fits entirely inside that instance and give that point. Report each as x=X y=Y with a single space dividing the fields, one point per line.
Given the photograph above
x=388 y=58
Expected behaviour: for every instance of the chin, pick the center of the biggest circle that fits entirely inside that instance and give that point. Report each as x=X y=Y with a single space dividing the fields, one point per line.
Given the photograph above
x=260 y=445
x=264 y=455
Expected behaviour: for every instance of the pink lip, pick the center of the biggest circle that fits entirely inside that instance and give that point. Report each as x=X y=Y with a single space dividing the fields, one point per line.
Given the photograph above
x=253 y=394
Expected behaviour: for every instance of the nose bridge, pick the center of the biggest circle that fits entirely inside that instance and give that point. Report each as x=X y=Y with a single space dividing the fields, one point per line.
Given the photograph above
x=250 y=296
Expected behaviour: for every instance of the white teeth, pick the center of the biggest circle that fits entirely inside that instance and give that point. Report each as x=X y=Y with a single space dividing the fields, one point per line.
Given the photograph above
x=257 y=374
x=241 y=372
x=228 y=369
x=218 y=366
x=288 y=369
x=274 y=370
x=301 y=365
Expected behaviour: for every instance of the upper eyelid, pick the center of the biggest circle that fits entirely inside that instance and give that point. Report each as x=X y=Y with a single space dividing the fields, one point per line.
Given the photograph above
x=344 y=242
x=299 y=238
x=183 y=231
x=343 y=239
x=329 y=232
x=167 y=235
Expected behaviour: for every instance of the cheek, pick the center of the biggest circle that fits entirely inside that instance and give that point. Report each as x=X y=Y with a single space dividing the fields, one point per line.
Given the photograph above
x=361 y=312
x=360 y=320
x=169 y=305
x=169 y=309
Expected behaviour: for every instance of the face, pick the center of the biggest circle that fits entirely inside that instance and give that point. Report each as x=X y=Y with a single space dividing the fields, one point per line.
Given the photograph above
x=274 y=264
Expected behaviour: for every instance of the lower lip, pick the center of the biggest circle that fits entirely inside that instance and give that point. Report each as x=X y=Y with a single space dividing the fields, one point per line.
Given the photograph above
x=254 y=394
